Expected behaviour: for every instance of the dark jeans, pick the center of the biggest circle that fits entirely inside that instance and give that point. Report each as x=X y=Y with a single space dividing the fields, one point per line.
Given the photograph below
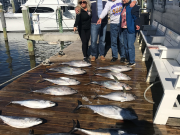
x=114 y=30
x=85 y=36
x=129 y=39
x=98 y=29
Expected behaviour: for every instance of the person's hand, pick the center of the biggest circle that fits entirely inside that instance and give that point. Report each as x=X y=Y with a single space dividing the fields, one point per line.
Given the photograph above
x=137 y=27
x=77 y=9
x=133 y=3
x=99 y=21
x=75 y=28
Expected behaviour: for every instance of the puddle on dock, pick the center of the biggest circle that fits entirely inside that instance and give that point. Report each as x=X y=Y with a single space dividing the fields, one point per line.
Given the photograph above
x=15 y=59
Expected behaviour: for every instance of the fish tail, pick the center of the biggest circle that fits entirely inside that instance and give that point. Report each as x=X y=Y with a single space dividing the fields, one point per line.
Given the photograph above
x=89 y=82
x=79 y=106
x=96 y=96
x=75 y=126
x=31 y=132
x=46 y=70
x=9 y=103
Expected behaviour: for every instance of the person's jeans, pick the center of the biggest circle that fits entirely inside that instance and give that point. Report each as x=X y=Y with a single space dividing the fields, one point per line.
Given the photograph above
x=114 y=31
x=98 y=29
x=129 y=39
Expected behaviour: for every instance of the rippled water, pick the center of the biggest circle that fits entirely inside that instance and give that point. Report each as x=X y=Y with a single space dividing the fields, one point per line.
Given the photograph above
x=15 y=59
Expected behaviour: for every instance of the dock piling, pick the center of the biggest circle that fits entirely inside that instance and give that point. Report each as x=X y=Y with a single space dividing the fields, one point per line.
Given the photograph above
x=13 y=6
x=60 y=19
x=3 y=22
x=27 y=26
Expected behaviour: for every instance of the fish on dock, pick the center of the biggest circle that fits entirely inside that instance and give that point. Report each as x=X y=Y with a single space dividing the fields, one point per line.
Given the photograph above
x=110 y=111
x=69 y=70
x=116 y=68
x=56 y=90
x=63 y=81
x=120 y=76
x=31 y=132
x=20 y=122
x=77 y=63
x=35 y=103
x=102 y=131
x=113 y=85
x=118 y=96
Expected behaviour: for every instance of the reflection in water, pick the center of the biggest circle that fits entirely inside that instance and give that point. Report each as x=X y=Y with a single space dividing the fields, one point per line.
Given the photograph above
x=15 y=59
x=9 y=59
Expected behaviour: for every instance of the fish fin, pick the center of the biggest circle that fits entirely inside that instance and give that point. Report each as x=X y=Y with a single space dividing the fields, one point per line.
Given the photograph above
x=124 y=90
x=89 y=82
x=79 y=105
x=31 y=132
x=115 y=78
x=9 y=103
x=96 y=96
x=46 y=70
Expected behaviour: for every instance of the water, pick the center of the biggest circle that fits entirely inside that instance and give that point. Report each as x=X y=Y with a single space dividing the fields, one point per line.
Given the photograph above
x=14 y=55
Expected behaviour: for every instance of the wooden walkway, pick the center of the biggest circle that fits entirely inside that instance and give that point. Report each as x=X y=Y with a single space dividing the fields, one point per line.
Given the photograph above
x=59 y=118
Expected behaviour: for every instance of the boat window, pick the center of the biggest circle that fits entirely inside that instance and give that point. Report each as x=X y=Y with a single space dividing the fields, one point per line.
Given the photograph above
x=71 y=8
x=63 y=8
x=41 y=10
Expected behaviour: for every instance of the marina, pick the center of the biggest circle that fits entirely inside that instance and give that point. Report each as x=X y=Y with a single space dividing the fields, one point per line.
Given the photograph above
x=46 y=88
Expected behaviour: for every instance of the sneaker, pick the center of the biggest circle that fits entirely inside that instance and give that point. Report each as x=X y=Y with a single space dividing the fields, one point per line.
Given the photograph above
x=131 y=64
x=122 y=60
x=103 y=58
x=86 y=59
x=93 y=58
x=113 y=59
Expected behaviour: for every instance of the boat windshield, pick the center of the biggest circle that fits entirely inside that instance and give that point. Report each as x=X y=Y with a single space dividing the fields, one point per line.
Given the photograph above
x=38 y=10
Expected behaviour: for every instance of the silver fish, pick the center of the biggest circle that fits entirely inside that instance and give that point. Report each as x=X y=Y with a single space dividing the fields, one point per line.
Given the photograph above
x=110 y=111
x=63 y=81
x=35 y=103
x=118 y=96
x=113 y=85
x=56 y=90
x=77 y=63
x=103 y=132
x=69 y=70
x=120 y=76
x=116 y=68
x=20 y=122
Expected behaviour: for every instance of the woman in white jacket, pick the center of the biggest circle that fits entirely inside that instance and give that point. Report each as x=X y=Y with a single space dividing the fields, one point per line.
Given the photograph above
x=115 y=7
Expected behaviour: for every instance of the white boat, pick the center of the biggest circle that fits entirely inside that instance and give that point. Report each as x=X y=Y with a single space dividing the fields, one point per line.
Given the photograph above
x=47 y=14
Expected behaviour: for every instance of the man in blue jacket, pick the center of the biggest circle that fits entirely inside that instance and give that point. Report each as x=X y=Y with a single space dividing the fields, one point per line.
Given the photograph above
x=130 y=24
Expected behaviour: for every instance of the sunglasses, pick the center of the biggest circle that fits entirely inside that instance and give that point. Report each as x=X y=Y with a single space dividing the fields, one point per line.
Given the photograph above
x=84 y=2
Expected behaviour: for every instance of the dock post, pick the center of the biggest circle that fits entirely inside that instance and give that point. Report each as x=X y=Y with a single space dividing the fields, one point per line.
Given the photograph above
x=3 y=22
x=60 y=14
x=13 y=6
x=27 y=26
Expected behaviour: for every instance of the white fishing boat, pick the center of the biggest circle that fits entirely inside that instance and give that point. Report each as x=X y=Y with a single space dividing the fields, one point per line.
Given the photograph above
x=47 y=14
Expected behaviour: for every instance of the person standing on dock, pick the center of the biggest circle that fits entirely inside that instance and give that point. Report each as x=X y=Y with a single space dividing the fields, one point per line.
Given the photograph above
x=100 y=29
x=115 y=8
x=130 y=24
x=83 y=23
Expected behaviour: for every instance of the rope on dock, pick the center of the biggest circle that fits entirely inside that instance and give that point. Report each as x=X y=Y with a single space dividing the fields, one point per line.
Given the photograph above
x=20 y=75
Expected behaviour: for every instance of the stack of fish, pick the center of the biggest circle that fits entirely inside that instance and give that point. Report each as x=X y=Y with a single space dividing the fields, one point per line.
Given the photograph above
x=109 y=111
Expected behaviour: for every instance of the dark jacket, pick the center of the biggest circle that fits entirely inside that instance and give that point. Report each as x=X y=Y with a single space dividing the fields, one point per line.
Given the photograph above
x=95 y=17
x=83 y=20
x=132 y=18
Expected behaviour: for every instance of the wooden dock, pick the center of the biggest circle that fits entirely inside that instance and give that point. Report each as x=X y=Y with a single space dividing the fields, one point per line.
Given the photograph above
x=59 y=118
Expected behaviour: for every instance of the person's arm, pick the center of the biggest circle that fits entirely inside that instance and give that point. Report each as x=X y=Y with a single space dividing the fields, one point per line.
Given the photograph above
x=135 y=14
x=133 y=3
x=104 y=13
x=76 y=22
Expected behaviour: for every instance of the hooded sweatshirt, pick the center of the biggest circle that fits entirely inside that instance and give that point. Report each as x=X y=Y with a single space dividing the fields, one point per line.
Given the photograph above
x=115 y=8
